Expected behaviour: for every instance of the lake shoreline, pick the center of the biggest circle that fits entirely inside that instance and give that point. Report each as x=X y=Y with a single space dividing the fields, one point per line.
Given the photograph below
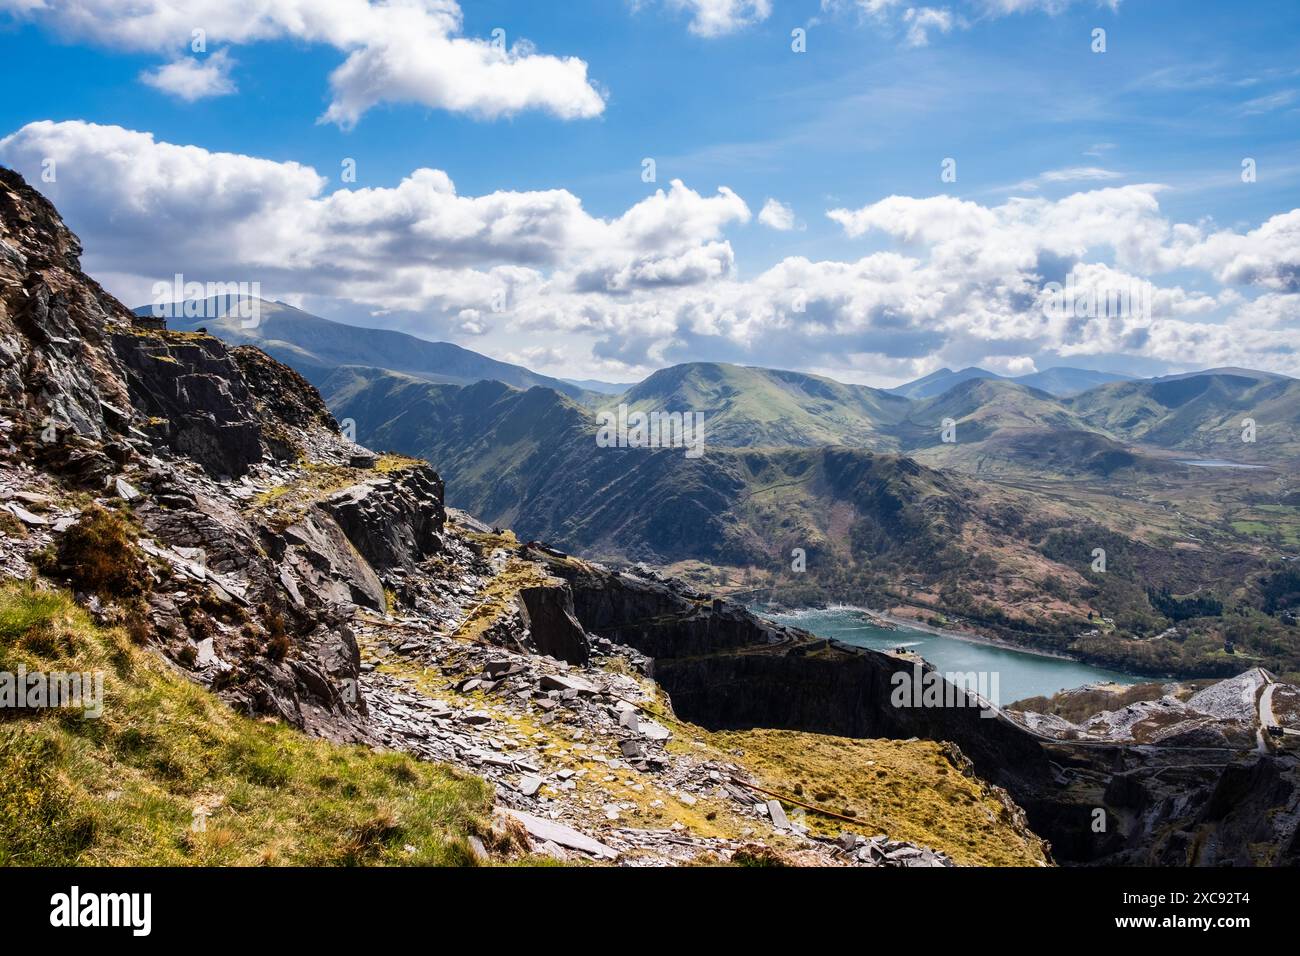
x=969 y=636
x=822 y=622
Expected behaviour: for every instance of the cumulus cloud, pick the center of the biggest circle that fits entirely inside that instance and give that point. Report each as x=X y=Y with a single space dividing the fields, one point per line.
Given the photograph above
x=711 y=18
x=1267 y=256
x=777 y=215
x=947 y=281
x=192 y=79
x=137 y=196
x=410 y=51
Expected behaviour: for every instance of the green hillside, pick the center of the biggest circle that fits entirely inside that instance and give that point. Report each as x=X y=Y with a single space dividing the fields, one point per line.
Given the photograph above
x=748 y=407
x=1201 y=414
x=127 y=788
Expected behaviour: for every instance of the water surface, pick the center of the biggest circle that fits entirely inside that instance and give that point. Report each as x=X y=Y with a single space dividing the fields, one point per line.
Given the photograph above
x=1020 y=674
x=1216 y=463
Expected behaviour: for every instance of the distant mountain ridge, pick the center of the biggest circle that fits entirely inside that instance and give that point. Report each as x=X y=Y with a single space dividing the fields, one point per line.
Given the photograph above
x=1002 y=425
x=1203 y=412
x=1061 y=381
x=315 y=347
x=600 y=387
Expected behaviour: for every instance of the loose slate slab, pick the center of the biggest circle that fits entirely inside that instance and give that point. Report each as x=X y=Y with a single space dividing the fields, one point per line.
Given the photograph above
x=552 y=832
x=565 y=683
x=25 y=516
x=655 y=731
x=777 y=814
x=125 y=490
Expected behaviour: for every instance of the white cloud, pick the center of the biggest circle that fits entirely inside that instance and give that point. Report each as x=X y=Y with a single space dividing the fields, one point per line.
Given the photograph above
x=1273 y=101
x=1268 y=256
x=136 y=196
x=191 y=79
x=1070 y=174
x=777 y=215
x=921 y=20
x=405 y=51
x=712 y=18
x=1002 y=8
x=954 y=282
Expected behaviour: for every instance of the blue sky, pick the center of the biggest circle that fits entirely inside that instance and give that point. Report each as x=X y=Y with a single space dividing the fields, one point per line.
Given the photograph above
x=1009 y=89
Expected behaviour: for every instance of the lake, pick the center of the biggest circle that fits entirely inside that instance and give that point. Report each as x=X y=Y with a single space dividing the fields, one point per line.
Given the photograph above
x=1218 y=463
x=1020 y=674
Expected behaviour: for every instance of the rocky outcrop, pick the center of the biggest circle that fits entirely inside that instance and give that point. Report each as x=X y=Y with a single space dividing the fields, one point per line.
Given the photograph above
x=286 y=406
x=394 y=521
x=55 y=369
x=161 y=423
x=553 y=625
x=319 y=564
x=194 y=397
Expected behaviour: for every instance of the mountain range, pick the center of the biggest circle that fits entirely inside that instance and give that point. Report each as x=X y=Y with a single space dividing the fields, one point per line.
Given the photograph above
x=1061 y=381
x=314 y=346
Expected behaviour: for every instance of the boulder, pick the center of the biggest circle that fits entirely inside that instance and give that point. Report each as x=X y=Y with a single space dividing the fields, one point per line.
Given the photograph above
x=554 y=628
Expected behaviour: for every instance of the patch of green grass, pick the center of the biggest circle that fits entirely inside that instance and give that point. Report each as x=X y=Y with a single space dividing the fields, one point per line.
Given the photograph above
x=389 y=463
x=127 y=788
x=1250 y=527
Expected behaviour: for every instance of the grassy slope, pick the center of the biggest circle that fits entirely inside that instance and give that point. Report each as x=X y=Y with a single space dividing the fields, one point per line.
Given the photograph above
x=982 y=407
x=753 y=407
x=1200 y=414
x=909 y=789
x=122 y=789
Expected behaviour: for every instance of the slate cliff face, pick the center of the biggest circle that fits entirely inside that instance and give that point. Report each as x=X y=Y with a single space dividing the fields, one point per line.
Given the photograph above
x=725 y=667
x=266 y=532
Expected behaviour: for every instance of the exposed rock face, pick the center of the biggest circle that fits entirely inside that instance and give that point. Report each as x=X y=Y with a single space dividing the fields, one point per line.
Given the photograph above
x=394 y=522
x=162 y=421
x=549 y=616
x=195 y=397
x=54 y=321
x=280 y=393
x=319 y=562
x=286 y=406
